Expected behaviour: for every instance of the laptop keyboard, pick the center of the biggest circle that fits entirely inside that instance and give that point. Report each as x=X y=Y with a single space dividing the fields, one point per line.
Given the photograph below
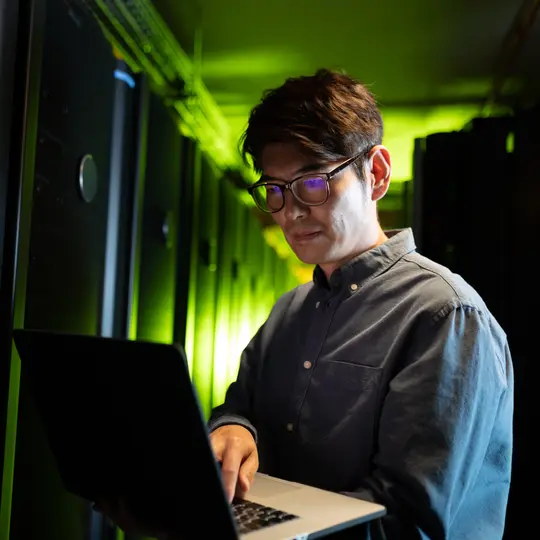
x=251 y=516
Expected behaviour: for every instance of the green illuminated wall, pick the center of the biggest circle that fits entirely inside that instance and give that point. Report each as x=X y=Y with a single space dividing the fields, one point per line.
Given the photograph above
x=235 y=281
x=404 y=125
x=213 y=282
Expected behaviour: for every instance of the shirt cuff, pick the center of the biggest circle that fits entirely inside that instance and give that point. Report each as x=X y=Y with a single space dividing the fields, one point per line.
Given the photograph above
x=233 y=419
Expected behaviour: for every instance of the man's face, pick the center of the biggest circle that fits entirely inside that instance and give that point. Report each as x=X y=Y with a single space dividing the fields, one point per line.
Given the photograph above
x=333 y=232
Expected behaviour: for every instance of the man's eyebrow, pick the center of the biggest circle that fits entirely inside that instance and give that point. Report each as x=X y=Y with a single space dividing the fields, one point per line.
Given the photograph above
x=265 y=178
x=310 y=167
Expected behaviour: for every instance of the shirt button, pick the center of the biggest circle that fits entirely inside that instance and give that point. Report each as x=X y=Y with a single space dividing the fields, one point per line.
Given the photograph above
x=317 y=304
x=353 y=286
x=307 y=364
x=289 y=427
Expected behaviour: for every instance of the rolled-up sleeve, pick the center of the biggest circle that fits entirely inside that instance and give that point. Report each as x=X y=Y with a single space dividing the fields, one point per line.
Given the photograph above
x=445 y=433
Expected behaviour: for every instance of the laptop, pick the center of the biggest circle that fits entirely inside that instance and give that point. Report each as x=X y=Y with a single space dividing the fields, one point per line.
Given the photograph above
x=122 y=417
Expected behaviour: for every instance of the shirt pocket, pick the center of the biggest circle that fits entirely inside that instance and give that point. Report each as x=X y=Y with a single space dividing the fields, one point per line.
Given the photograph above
x=340 y=404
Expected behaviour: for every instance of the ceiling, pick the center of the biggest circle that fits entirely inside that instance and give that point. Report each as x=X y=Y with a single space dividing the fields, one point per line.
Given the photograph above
x=430 y=65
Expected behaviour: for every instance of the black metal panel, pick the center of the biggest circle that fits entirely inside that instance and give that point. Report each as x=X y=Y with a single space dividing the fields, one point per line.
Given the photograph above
x=28 y=22
x=160 y=223
x=68 y=234
x=67 y=242
x=189 y=184
x=463 y=217
x=523 y=286
x=8 y=49
x=129 y=98
x=227 y=320
x=208 y=210
x=240 y=308
x=477 y=212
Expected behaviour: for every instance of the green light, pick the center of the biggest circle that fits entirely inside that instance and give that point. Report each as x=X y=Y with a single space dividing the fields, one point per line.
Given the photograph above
x=204 y=324
x=10 y=443
x=510 y=142
x=252 y=63
x=402 y=126
x=191 y=316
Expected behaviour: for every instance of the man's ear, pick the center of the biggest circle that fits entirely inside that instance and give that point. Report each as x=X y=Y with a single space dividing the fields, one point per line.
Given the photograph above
x=380 y=171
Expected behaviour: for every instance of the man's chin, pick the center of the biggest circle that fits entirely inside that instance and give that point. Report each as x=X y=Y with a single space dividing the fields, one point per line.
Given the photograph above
x=307 y=256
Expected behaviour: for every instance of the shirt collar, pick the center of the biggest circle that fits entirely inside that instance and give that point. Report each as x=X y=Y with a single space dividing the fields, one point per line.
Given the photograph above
x=369 y=264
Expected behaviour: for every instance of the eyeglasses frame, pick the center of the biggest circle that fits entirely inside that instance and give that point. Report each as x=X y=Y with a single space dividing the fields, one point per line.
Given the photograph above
x=283 y=186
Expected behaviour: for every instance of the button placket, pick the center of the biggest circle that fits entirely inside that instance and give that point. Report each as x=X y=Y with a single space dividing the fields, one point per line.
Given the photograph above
x=314 y=343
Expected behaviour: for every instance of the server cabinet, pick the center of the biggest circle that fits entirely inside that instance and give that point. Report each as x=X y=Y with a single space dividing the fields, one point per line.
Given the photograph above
x=476 y=211
x=8 y=48
x=160 y=222
x=207 y=237
x=239 y=318
x=266 y=286
x=67 y=241
x=255 y=258
x=521 y=203
x=461 y=210
x=18 y=54
x=186 y=267
x=225 y=326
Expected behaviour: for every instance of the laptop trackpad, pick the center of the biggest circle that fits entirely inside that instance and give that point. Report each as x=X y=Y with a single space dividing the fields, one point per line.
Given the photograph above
x=267 y=486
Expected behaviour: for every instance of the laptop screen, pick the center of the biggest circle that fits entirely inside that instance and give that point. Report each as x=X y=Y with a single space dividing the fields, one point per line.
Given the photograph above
x=123 y=418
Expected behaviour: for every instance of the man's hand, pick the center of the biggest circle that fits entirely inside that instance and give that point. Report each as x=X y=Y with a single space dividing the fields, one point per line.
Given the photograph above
x=235 y=448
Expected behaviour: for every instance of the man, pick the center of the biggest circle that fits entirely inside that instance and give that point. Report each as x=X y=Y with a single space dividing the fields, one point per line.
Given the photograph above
x=385 y=378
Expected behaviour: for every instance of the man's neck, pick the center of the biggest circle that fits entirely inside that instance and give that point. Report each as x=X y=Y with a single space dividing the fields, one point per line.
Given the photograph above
x=374 y=240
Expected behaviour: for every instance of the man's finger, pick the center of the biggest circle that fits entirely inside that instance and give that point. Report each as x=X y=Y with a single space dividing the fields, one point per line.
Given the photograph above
x=230 y=467
x=247 y=473
x=218 y=446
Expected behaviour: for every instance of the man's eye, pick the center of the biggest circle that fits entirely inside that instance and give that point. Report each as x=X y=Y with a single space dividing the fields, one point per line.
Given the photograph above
x=315 y=182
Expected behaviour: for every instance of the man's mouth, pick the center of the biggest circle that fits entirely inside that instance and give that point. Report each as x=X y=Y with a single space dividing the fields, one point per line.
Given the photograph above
x=305 y=236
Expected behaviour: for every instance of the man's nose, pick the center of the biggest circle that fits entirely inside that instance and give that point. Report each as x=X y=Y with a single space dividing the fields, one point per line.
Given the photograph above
x=293 y=208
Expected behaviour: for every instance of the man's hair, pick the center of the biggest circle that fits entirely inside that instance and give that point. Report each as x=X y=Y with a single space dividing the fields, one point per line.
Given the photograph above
x=328 y=115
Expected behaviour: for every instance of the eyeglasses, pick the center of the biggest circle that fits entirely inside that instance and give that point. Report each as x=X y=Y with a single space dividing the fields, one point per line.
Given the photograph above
x=309 y=189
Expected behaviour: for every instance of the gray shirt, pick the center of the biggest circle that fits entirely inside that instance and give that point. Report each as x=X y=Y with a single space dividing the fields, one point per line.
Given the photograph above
x=392 y=382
